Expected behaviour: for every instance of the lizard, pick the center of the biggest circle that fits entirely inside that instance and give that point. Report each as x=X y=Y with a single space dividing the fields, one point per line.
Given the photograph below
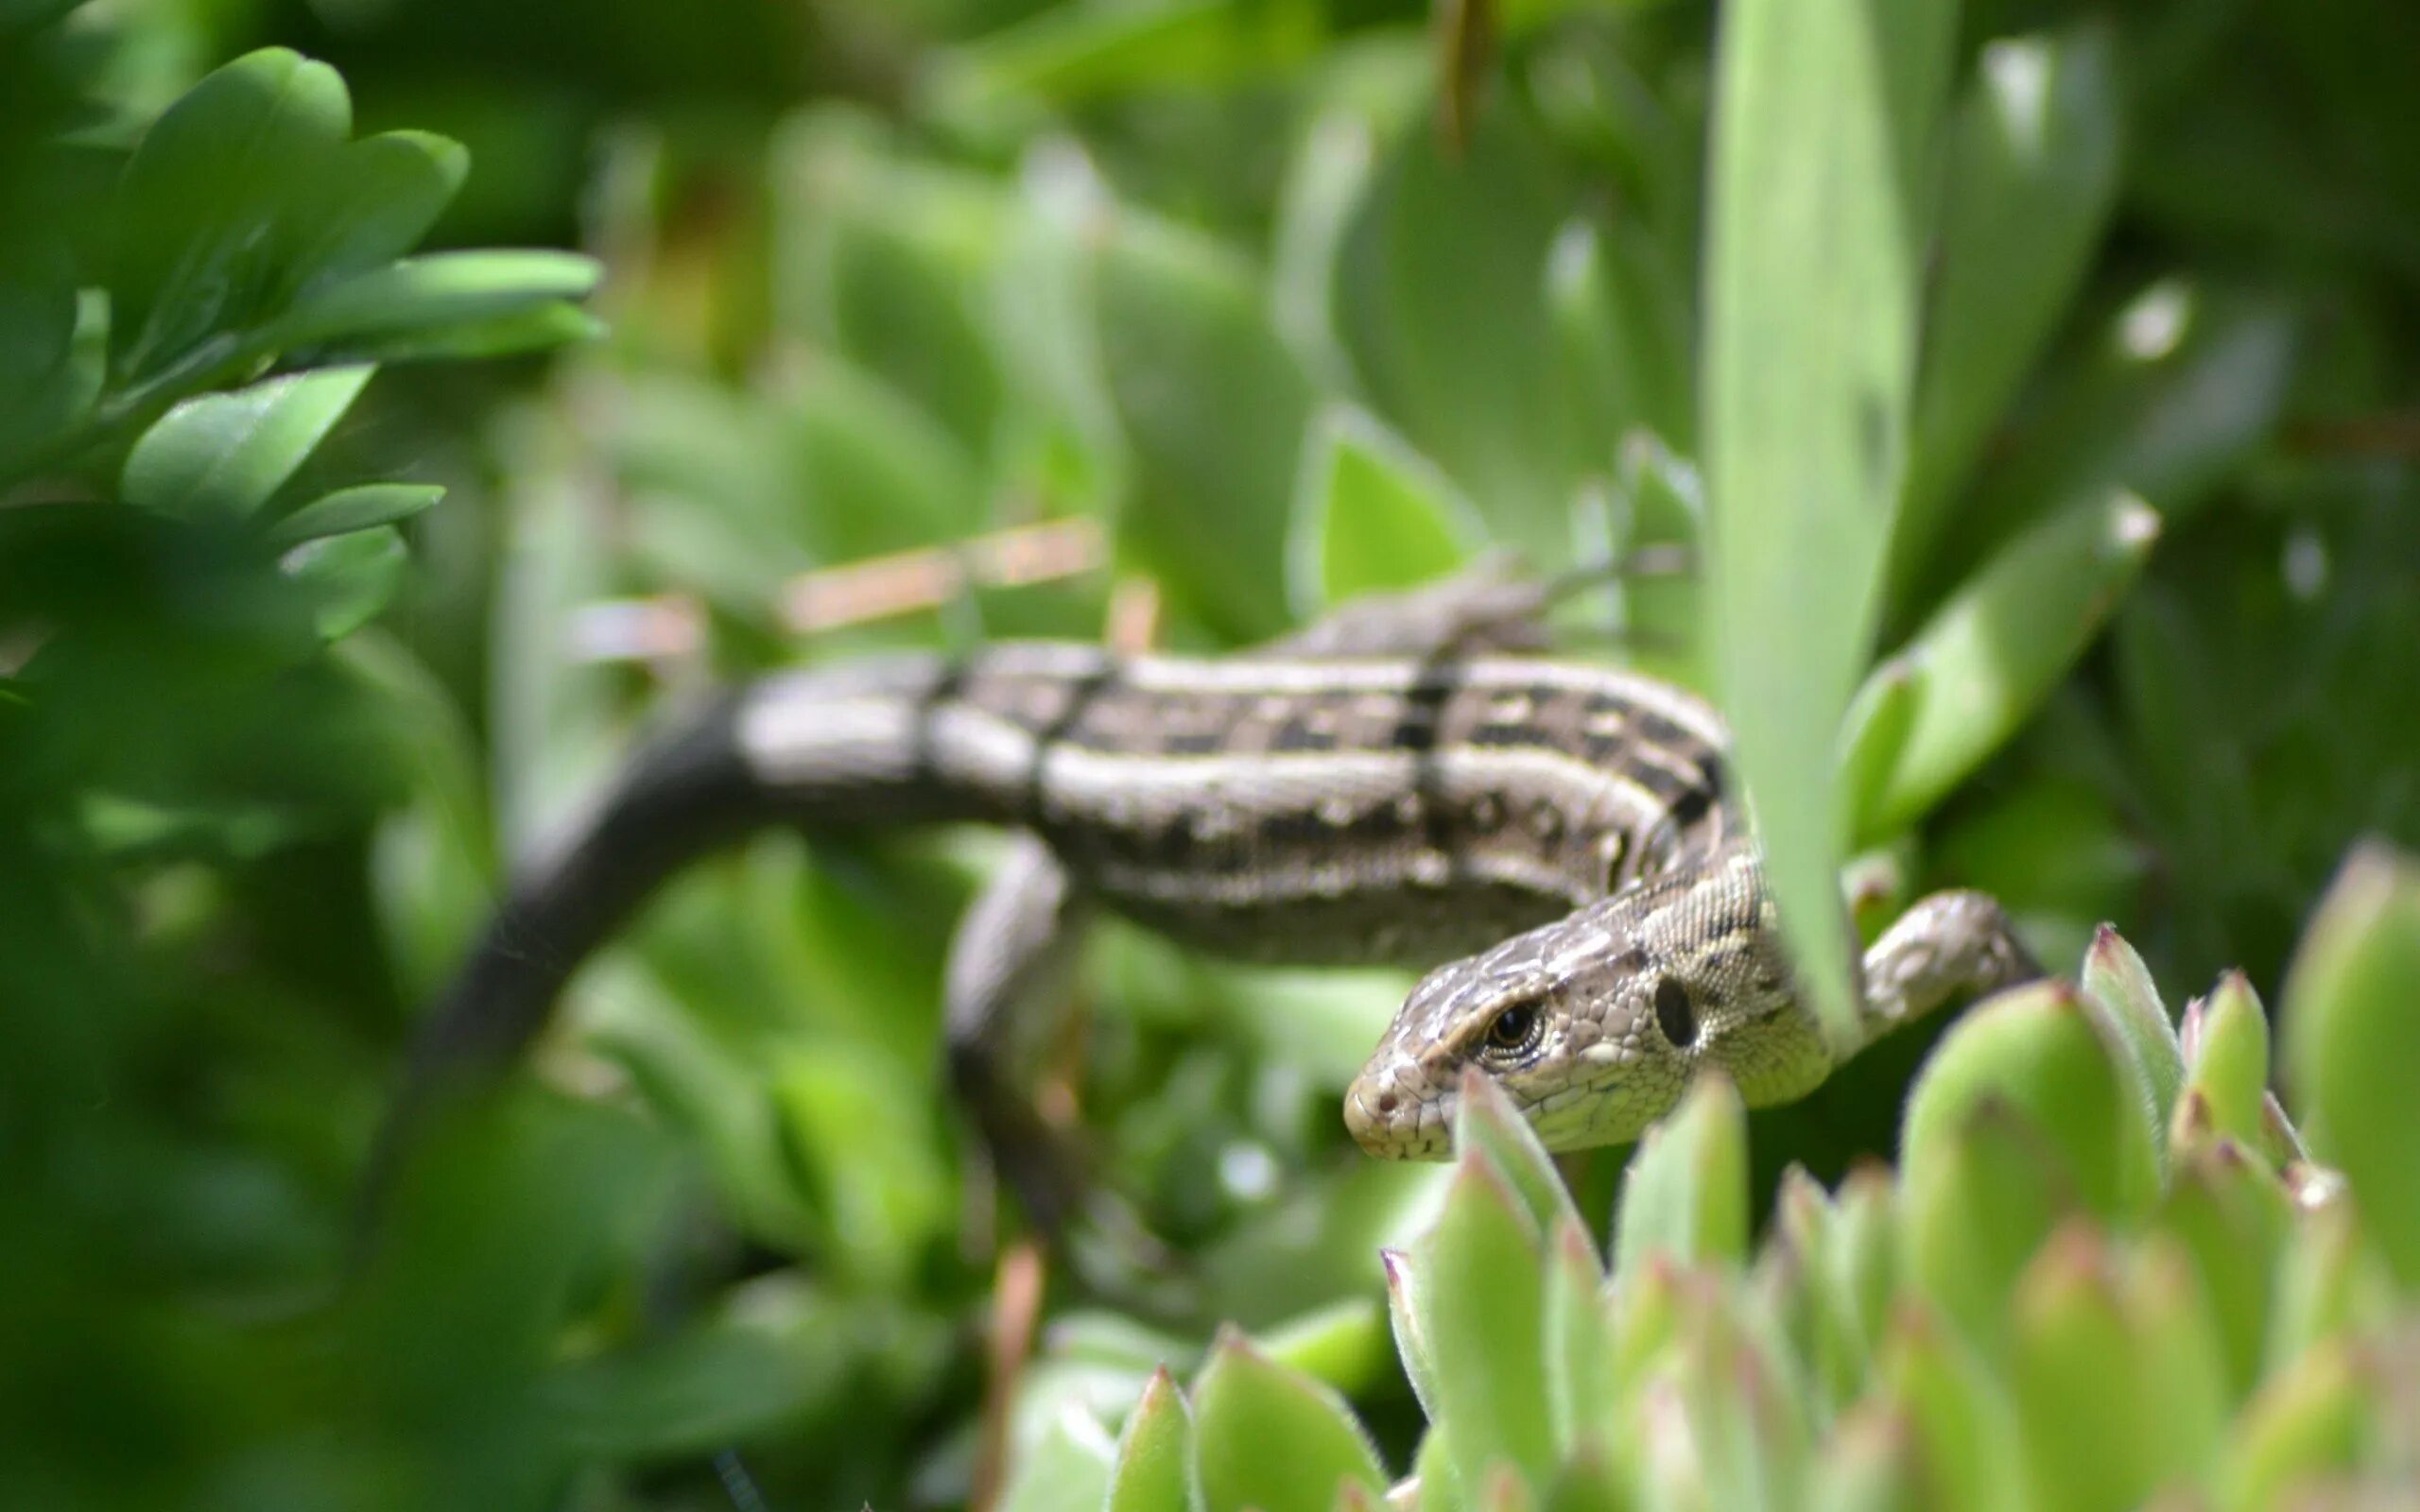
x=1556 y=844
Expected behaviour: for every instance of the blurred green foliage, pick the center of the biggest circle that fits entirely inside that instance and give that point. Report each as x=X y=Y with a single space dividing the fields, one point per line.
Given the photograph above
x=889 y=274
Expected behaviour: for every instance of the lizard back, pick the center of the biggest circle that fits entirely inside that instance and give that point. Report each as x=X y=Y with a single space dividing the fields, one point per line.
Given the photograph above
x=1281 y=810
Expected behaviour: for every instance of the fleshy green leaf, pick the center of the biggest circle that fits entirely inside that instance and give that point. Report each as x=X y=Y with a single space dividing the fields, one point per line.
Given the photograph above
x=1809 y=355
x=2226 y=1046
x=1977 y=1206
x=1581 y=1393
x=355 y=508
x=1993 y=653
x=1152 y=1471
x=2051 y=1058
x=1685 y=1193
x=1371 y=515
x=2076 y=1382
x=1406 y=1312
x=2352 y=1037
x=1961 y=1413
x=1588 y=1482
x=2231 y=1215
x=2114 y=977
x=1871 y=1464
x=1487 y=1123
x=2309 y=1423
x=1269 y=1439
x=1482 y=1305
x=219 y=457
x=1067 y=1467
x=350 y=578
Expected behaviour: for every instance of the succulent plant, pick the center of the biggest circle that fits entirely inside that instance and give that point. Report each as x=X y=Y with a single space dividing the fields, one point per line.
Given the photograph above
x=2108 y=1272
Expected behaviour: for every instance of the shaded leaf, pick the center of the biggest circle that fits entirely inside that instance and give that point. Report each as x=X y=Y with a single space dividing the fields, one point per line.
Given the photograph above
x=349 y=578
x=1369 y=515
x=355 y=508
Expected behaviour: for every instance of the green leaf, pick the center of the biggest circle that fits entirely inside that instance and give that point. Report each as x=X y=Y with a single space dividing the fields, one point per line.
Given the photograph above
x=553 y=324
x=1809 y=354
x=2352 y=1036
x=1214 y=409
x=1342 y=1343
x=1487 y=1124
x=790 y=1356
x=2170 y=398
x=1582 y=1396
x=1871 y=1464
x=1620 y=335
x=2032 y=168
x=2075 y=1381
x=856 y=1130
x=2234 y=1218
x=1976 y=1211
x=1067 y=1467
x=1586 y=1482
x=349 y=578
x=2311 y=1423
x=377 y=199
x=417 y=296
x=1808 y=1237
x=1405 y=1312
x=1961 y=1417
x=2225 y=1044
x=1685 y=1193
x=219 y=457
x=1991 y=655
x=1269 y=1439
x=1436 y=286
x=1865 y=1258
x=2331 y=1281
x=2051 y=1056
x=2114 y=977
x=1075 y=52
x=355 y=508
x=1369 y=515
x=1482 y=1318
x=206 y=236
x=1324 y=181
x=1153 y=1470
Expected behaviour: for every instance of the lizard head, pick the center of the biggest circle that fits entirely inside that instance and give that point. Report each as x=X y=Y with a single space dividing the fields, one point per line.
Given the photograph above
x=1595 y=1023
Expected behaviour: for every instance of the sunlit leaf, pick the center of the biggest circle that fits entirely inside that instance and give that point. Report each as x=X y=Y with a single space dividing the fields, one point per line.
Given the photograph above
x=219 y=457
x=1267 y=1438
x=1809 y=347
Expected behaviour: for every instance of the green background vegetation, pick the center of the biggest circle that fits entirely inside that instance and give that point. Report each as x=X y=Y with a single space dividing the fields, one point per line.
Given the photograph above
x=2036 y=382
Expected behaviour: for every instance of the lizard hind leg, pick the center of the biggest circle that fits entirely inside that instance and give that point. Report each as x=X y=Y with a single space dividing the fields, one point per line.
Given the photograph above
x=1493 y=606
x=1010 y=985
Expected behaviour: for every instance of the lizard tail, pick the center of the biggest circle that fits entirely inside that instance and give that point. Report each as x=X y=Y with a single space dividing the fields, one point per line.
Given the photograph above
x=690 y=792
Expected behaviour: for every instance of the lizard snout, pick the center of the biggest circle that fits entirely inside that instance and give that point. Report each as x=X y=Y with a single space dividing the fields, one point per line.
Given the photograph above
x=1390 y=1123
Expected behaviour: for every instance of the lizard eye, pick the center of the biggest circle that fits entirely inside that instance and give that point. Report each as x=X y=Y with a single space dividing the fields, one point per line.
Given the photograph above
x=1513 y=1028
